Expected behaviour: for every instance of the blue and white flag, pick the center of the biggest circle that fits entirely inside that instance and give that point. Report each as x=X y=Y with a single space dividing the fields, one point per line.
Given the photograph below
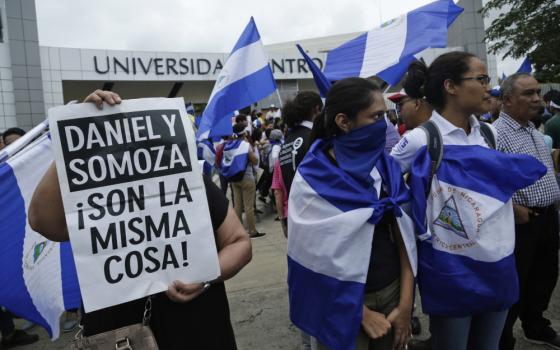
x=526 y=66
x=466 y=254
x=395 y=41
x=190 y=108
x=206 y=153
x=38 y=280
x=331 y=222
x=235 y=158
x=246 y=78
x=323 y=84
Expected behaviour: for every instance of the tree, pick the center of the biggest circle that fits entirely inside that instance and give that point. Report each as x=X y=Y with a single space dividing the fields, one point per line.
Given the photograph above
x=527 y=28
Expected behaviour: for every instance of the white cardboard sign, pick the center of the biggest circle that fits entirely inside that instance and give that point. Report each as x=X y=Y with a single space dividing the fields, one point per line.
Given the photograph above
x=134 y=198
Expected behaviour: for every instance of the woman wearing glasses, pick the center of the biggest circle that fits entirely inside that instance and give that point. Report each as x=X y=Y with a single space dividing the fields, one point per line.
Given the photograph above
x=466 y=270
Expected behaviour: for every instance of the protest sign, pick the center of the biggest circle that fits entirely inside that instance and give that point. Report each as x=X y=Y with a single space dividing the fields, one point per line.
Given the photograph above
x=134 y=198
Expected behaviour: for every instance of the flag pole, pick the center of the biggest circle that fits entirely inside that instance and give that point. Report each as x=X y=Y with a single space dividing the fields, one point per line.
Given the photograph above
x=279 y=98
x=23 y=141
x=387 y=89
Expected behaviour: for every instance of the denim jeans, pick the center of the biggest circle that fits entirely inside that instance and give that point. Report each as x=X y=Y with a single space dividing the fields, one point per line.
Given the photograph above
x=478 y=332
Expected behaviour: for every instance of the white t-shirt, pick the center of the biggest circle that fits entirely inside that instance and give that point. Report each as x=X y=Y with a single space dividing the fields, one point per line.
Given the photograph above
x=406 y=149
x=273 y=115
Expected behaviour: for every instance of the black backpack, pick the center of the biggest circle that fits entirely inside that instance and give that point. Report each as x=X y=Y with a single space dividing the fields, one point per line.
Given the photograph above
x=435 y=145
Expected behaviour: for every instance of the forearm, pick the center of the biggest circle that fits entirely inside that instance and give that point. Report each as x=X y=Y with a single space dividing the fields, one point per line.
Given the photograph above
x=406 y=275
x=234 y=257
x=279 y=197
x=46 y=211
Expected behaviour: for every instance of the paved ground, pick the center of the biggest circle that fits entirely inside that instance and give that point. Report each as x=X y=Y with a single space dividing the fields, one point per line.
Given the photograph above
x=259 y=303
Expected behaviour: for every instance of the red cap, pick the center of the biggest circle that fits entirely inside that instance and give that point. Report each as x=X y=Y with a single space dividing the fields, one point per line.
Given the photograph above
x=395 y=98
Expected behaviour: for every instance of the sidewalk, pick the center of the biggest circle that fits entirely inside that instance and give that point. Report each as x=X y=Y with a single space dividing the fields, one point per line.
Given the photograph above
x=259 y=302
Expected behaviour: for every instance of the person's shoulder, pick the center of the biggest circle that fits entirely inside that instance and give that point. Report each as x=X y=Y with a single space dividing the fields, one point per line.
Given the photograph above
x=410 y=142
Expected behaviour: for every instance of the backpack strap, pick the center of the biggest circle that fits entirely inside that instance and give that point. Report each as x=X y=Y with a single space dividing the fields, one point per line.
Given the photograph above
x=488 y=135
x=435 y=149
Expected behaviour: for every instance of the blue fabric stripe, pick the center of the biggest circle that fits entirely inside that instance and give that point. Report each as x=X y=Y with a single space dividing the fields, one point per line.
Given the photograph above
x=70 y=293
x=426 y=27
x=13 y=291
x=394 y=74
x=249 y=36
x=328 y=309
x=487 y=171
x=346 y=60
x=323 y=84
x=218 y=113
x=332 y=183
x=458 y=286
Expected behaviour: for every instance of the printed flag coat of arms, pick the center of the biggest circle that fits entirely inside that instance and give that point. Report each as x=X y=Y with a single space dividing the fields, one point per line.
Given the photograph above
x=38 y=280
x=466 y=228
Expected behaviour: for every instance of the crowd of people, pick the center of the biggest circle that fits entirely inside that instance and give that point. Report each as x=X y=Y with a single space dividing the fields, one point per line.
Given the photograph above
x=352 y=148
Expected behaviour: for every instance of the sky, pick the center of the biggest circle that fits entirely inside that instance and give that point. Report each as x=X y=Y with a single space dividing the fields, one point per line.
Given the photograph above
x=205 y=25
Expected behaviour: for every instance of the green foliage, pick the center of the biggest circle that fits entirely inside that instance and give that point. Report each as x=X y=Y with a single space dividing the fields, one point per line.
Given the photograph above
x=527 y=28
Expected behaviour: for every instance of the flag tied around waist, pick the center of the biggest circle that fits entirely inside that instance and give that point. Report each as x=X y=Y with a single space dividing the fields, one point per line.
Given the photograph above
x=235 y=158
x=466 y=228
x=331 y=222
x=38 y=280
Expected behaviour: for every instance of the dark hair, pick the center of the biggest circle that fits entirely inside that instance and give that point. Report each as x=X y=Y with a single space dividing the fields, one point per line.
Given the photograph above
x=423 y=81
x=238 y=128
x=508 y=85
x=552 y=95
x=257 y=134
x=348 y=96
x=301 y=108
x=12 y=131
x=241 y=118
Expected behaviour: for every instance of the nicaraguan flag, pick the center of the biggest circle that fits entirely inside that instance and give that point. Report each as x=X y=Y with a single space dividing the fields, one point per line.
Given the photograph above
x=323 y=84
x=526 y=66
x=331 y=222
x=207 y=153
x=395 y=41
x=38 y=280
x=235 y=157
x=467 y=232
x=246 y=78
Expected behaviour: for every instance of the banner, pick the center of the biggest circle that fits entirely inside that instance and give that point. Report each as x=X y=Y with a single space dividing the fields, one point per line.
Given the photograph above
x=134 y=198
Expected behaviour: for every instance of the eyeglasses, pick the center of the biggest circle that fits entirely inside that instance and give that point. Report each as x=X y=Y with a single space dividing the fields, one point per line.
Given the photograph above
x=483 y=79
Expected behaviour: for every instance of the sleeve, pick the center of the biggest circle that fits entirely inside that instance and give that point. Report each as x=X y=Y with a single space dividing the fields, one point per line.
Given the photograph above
x=405 y=150
x=217 y=202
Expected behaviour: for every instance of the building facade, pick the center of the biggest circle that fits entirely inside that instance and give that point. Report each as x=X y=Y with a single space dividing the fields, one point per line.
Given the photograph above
x=34 y=78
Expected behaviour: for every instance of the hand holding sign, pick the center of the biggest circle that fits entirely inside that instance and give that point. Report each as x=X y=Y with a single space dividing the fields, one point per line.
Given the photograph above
x=135 y=204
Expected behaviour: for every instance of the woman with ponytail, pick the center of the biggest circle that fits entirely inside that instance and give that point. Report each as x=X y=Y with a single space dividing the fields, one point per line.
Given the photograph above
x=351 y=250
x=462 y=191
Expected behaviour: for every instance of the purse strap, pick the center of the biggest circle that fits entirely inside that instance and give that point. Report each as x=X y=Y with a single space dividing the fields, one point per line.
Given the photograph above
x=147 y=311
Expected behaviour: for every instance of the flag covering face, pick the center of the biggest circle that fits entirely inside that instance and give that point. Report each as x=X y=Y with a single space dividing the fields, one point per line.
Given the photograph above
x=466 y=261
x=38 y=280
x=246 y=78
x=235 y=158
x=379 y=50
x=331 y=222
